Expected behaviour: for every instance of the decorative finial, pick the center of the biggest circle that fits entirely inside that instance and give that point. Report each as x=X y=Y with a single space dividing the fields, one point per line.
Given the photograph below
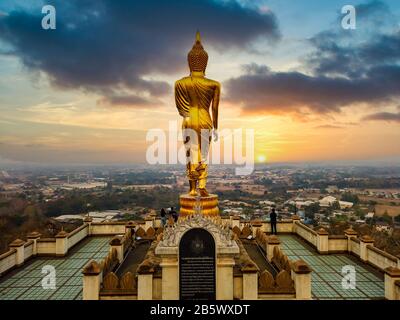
x=197 y=57
x=198 y=38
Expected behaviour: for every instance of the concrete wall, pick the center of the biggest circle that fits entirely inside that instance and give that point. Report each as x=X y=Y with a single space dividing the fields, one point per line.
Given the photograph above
x=338 y=244
x=374 y=256
x=7 y=260
x=306 y=233
x=284 y=226
x=107 y=229
x=46 y=246
x=355 y=246
x=77 y=235
x=28 y=250
x=157 y=290
x=238 y=287
x=380 y=259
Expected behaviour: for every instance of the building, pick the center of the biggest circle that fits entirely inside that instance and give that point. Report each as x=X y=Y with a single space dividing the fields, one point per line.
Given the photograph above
x=345 y=205
x=370 y=215
x=95 y=215
x=143 y=261
x=327 y=201
x=332 y=189
x=383 y=227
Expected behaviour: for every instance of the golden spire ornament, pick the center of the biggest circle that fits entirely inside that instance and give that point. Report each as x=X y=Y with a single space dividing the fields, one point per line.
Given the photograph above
x=197 y=57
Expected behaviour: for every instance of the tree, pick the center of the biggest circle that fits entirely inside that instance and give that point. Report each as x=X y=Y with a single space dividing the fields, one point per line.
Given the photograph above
x=349 y=197
x=335 y=205
x=386 y=218
x=311 y=210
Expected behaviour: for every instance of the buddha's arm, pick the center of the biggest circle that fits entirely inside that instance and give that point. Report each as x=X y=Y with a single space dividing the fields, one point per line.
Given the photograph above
x=181 y=100
x=215 y=105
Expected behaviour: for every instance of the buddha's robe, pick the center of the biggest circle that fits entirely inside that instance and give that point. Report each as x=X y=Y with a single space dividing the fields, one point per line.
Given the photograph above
x=193 y=97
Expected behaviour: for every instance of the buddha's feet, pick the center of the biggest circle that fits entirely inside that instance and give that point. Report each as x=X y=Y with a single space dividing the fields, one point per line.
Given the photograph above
x=203 y=192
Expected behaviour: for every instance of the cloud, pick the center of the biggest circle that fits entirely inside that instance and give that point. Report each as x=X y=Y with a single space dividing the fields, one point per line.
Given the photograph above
x=109 y=47
x=383 y=116
x=328 y=126
x=125 y=100
x=261 y=90
x=345 y=68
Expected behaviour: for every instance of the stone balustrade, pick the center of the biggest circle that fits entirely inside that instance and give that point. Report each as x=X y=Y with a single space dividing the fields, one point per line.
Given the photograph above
x=20 y=251
x=301 y=274
x=392 y=283
x=349 y=242
x=361 y=247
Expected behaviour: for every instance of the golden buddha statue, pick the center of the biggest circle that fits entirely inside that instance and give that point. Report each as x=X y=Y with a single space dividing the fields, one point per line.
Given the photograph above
x=193 y=96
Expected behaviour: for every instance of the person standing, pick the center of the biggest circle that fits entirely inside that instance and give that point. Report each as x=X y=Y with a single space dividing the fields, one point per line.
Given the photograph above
x=174 y=214
x=272 y=218
x=163 y=215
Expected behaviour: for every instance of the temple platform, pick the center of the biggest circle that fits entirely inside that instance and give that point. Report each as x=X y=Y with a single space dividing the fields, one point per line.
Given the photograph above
x=209 y=205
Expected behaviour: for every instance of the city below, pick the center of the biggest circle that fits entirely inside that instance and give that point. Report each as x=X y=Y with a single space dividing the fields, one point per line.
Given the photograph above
x=332 y=197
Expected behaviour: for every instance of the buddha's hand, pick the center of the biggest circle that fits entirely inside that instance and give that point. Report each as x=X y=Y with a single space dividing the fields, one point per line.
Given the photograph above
x=215 y=135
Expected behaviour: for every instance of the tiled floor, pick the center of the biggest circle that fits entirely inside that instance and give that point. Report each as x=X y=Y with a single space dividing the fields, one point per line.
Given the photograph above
x=26 y=283
x=327 y=274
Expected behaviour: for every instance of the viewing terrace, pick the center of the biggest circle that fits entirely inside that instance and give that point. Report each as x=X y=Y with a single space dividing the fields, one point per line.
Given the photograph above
x=115 y=260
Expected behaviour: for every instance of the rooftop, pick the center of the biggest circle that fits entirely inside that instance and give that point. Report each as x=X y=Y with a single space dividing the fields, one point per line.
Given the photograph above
x=25 y=283
x=327 y=274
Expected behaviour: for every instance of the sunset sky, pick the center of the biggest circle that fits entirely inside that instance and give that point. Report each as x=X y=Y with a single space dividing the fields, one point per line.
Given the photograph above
x=88 y=91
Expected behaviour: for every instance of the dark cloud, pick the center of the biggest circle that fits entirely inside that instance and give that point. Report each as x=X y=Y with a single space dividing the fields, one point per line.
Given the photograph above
x=109 y=47
x=345 y=69
x=352 y=54
x=261 y=90
x=383 y=116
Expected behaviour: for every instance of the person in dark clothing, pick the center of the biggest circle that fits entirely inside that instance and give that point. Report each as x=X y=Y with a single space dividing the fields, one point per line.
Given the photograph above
x=163 y=215
x=174 y=214
x=272 y=217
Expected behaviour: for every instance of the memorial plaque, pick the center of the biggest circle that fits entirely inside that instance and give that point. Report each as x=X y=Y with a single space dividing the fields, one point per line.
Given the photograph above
x=197 y=265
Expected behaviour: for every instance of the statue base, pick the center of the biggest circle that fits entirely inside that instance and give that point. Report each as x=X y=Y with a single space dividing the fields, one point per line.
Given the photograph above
x=209 y=205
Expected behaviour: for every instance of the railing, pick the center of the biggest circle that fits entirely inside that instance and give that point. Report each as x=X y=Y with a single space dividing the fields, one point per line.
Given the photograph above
x=380 y=258
x=77 y=235
x=109 y=228
x=354 y=246
x=7 y=260
x=127 y=240
x=282 y=226
x=337 y=243
x=306 y=233
x=46 y=246
x=49 y=246
x=28 y=249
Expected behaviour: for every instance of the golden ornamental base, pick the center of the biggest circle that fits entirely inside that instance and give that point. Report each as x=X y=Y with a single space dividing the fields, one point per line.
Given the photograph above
x=209 y=205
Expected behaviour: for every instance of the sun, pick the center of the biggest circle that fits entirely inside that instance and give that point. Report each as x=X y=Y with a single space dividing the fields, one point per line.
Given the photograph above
x=261 y=158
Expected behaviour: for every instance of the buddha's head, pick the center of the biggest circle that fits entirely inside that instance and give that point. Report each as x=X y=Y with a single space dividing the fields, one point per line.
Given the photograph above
x=197 y=57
